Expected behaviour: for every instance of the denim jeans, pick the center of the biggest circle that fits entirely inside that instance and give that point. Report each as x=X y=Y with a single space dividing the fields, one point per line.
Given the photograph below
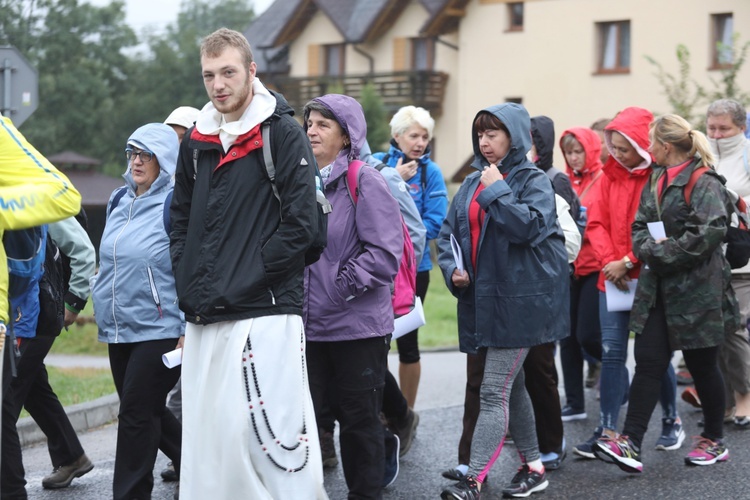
x=614 y=376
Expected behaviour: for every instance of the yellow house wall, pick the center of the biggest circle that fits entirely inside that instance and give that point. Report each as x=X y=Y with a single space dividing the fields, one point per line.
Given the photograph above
x=551 y=63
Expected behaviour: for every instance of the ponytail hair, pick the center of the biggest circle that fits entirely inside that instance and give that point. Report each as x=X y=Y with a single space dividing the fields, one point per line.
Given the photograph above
x=676 y=131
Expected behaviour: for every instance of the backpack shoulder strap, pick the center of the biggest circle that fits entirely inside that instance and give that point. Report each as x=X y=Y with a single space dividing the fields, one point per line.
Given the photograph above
x=352 y=180
x=165 y=216
x=688 y=189
x=116 y=200
x=195 y=164
x=268 y=157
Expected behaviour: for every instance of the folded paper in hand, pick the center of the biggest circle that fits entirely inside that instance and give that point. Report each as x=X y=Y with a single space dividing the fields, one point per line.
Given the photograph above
x=619 y=300
x=172 y=359
x=409 y=322
x=457 y=257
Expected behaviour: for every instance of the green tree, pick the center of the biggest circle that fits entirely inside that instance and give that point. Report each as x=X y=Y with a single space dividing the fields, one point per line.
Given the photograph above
x=378 y=131
x=170 y=74
x=685 y=94
x=78 y=50
x=682 y=92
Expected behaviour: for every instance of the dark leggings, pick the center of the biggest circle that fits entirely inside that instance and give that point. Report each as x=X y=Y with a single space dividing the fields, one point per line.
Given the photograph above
x=585 y=335
x=408 y=345
x=652 y=355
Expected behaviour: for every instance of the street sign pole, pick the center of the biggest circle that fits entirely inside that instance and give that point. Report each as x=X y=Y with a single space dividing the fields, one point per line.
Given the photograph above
x=19 y=84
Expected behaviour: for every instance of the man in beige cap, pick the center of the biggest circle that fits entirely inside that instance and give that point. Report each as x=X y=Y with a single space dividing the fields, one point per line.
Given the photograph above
x=181 y=119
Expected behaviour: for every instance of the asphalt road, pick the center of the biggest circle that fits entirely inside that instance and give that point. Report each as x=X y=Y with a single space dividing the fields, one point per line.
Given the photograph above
x=439 y=404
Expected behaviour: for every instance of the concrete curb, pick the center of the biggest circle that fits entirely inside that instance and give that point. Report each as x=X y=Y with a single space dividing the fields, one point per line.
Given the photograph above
x=83 y=416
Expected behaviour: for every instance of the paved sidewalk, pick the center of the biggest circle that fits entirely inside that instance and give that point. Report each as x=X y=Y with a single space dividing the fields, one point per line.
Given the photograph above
x=440 y=403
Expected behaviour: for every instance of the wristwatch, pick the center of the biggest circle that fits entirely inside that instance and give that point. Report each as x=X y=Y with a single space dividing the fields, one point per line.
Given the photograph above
x=628 y=263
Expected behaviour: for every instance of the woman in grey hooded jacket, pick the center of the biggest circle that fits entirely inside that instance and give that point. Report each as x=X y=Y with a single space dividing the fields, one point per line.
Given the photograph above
x=135 y=303
x=512 y=292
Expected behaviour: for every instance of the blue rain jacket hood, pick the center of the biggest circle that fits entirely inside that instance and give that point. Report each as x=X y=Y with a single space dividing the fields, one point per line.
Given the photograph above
x=139 y=302
x=517 y=120
x=161 y=140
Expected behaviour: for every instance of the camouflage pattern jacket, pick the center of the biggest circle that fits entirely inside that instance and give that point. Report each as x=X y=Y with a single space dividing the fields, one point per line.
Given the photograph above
x=688 y=270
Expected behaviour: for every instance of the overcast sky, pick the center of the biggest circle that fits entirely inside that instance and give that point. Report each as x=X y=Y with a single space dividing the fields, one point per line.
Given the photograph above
x=158 y=13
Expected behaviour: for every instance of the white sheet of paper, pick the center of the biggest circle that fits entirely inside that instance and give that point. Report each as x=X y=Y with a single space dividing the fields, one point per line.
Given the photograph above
x=172 y=358
x=656 y=229
x=617 y=300
x=411 y=321
x=457 y=257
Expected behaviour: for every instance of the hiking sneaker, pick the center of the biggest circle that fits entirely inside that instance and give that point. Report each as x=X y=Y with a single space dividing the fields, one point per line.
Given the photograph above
x=621 y=451
x=168 y=474
x=405 y=429
x=391 y=464
x=526 y=482
x=328 y=449
x=690 y=396
x=672 y=434
x=63 y=475
x=586 y=449
x=728 y=417
x=465 y=489
x=454 y=474
x=707 y=452
x=742 y=423
x=569 y=414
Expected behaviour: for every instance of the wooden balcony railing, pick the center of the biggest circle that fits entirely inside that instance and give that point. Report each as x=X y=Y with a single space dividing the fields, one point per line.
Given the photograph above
x=396 y=89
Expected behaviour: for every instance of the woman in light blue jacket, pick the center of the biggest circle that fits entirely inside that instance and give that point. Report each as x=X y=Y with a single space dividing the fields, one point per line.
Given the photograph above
x=135 y=304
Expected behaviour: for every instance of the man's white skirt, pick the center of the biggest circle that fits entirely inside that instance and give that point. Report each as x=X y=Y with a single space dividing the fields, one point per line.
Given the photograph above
x=248 y=424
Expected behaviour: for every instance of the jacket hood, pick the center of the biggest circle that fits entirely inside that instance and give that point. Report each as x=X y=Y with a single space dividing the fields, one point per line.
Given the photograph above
x=351 y=117
x=161 y=140
x=543 y=136
x=282 y=105
x=516 y=119
x=592 y=146
x=633 y=123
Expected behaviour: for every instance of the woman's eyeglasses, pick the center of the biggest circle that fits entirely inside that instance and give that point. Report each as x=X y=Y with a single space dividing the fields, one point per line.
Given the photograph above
x=146 y=156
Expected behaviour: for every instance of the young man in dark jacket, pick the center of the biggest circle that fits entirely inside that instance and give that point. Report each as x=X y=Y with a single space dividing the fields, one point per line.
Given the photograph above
x=239 y=256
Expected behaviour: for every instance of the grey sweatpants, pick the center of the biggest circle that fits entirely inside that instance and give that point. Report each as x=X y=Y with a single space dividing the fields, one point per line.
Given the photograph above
x=734 y=356
x=504 y=403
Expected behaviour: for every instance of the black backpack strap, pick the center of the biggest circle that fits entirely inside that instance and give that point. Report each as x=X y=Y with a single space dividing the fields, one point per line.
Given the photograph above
x=268 y=157
x=116 y=200
x=195 y=164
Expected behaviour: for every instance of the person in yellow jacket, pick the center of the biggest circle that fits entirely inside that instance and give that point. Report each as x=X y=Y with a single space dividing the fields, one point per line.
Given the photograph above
x=32 y=192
